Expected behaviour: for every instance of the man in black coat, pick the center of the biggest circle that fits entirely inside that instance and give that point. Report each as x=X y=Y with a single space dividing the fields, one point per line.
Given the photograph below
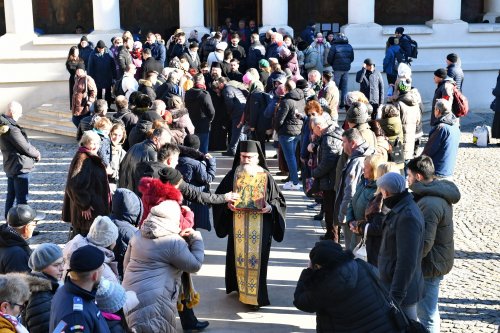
x=14 y=249
x=201 y=110
x=124 y=56
x=329 y=151
x=400 y=255
x=150 y=64
x=340 y=57
x=19 y=156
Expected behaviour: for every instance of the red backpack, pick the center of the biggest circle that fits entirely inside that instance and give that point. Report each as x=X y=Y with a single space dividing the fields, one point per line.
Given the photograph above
x=460 y=104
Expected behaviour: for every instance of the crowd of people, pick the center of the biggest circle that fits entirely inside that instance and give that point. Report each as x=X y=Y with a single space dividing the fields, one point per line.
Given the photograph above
x=138 y=187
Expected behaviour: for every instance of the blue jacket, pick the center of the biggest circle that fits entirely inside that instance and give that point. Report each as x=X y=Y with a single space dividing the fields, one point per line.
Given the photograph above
x=307 y=35
x=126 y=214
x=391 y=55
x=455 y=72
x=199 y=174
x=101 y=68
x=442 y=146
x=341 y=56
x=85 y=52
x=73 y=308
x=158 y=51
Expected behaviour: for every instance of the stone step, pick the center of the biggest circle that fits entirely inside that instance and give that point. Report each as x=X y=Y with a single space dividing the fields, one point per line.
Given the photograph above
x=51 y=128
x=51 y=117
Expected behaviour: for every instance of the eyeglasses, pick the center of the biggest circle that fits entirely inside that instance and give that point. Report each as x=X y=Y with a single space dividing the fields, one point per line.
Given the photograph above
x=21 y=306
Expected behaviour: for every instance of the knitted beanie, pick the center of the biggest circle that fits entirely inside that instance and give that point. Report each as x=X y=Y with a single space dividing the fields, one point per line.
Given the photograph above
x=103 y=232
x=110 y=297
x=44 y=255
x=392 y=182
x=357 y=113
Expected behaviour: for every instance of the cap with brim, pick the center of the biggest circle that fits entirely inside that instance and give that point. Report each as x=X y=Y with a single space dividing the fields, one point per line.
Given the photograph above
x=21 y=215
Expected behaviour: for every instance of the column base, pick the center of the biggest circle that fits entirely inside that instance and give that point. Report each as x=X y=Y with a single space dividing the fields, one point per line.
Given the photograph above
x=201 y=31
x=491 y=17
x=360 y=33
x=448 y=27
x=266 y=28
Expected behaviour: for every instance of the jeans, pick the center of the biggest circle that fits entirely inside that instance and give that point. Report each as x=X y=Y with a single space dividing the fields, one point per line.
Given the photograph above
x=203 y=141
x=328 y=201
x=340 y=78
x=349 y=237
x=289 y=145
x=237 y=135
x=427 y=309
x=17 y=190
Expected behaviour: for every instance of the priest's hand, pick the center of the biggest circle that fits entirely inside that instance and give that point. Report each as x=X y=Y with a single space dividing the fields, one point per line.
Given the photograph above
x=266 y=209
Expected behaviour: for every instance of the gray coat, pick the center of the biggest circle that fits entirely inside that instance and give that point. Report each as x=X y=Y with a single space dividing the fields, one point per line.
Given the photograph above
x=435 y=200
x=329 y=151
x=372 y=85
x=154 y=262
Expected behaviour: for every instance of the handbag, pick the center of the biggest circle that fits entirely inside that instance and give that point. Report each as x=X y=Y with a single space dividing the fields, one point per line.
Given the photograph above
x=360 y=249
x=398 y=316
x=396 y=154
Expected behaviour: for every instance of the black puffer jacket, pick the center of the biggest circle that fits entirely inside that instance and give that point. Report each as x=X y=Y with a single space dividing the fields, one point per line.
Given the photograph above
x=455 y=72
x=341 y=56
x=126 y=214
x=435 y=199
x=14 y=251
x=139 y=131
x=329 y=151
x=288 y=119
x=201 y=110
x=345 y=299
x=37 y=314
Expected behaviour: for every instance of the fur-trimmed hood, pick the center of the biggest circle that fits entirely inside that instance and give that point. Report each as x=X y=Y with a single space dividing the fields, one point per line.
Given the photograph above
x=41 y=282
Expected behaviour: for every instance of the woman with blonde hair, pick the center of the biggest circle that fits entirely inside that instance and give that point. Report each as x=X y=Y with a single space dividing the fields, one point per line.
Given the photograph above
x=374 y=214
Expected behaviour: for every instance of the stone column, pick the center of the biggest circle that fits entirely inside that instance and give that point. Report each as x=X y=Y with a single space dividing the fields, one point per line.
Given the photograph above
x=106 y=15
x=191 y=17
x=447 y=10
x=492 y=10
x=361 y=11
x=275 y=15
x=19 y=17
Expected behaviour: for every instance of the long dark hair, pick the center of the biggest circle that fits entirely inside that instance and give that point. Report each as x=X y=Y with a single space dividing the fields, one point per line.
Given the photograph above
x=71 y=55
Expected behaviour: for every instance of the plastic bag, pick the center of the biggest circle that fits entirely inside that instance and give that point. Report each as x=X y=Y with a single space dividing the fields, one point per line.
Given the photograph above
x=481 y=135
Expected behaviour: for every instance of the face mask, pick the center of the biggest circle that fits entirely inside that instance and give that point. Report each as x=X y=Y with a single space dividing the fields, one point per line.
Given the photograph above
x=320 y=40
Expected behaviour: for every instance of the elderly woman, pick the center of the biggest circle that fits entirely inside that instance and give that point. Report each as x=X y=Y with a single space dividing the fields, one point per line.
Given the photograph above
x=87 y=190
x=349 y=284
x=156 y=257
x=365 y=191
x=14 y=293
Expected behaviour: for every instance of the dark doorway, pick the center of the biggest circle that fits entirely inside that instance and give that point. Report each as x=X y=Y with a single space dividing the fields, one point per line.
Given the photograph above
x=3 y=27
x=320 y=11
x=216 y=12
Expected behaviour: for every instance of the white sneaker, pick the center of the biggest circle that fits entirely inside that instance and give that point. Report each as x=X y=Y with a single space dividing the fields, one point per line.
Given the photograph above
x=291 y=186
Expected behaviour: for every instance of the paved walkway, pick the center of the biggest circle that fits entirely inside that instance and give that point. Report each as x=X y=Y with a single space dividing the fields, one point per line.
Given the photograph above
x=470 y=298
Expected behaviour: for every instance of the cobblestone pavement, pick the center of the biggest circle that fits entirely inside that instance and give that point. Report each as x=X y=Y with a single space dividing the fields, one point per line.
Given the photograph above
x=470 y=293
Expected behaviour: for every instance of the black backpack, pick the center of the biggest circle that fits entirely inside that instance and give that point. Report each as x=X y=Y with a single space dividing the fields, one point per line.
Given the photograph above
x=118 y=89
x=413 y=48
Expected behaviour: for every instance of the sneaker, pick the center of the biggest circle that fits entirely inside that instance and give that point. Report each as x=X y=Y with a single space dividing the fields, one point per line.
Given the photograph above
x=291 y=186
x=313 y=206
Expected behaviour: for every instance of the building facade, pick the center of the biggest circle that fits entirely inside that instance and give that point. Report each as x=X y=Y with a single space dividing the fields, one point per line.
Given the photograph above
x=32 y=66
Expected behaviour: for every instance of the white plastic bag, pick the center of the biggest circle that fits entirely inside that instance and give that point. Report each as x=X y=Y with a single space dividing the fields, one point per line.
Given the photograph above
x=360 y=249
x=481 y=135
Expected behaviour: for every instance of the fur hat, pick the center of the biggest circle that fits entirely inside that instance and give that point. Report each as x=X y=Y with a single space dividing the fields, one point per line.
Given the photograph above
x=441 y=73
x=357 y=113
x=392 y=182
x=452 y=57
x=103 y=232
x=44 y=255
x=110 y=297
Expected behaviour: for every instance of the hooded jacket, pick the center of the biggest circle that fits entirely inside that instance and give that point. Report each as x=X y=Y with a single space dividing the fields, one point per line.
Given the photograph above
x=36 y=317
x=435 y=199
x=442 y=146
x=409 y=105
x=329 y=151
x=14 y=251
x=156 y=257
x=348 y=286
x=126 y=214
x=341 y=55
x=288 y=119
